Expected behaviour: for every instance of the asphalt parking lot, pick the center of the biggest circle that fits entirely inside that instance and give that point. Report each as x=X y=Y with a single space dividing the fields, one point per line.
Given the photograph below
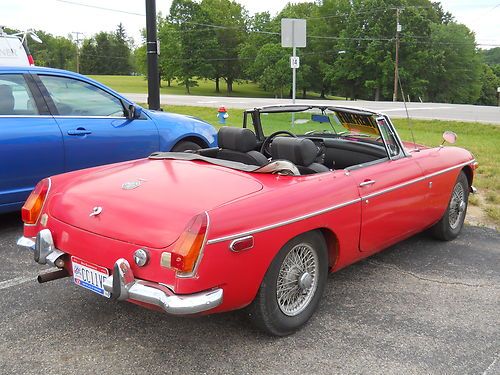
x=420 y=307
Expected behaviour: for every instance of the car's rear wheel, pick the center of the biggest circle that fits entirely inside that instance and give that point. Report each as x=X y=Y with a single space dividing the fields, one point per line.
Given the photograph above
x=452 y=221
x=292 y=286
x=185 y=146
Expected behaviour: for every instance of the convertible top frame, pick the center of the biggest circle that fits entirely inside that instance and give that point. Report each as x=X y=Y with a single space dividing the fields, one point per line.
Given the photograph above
x=295 y=108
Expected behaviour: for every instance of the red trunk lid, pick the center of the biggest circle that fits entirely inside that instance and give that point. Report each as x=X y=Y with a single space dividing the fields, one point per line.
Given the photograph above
x=146 y=202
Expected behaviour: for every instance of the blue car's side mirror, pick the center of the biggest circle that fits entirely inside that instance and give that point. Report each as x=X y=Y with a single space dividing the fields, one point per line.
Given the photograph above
x=134 y=112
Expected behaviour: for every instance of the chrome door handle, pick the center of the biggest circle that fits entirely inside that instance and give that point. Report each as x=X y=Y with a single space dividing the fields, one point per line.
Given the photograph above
x=367 y=182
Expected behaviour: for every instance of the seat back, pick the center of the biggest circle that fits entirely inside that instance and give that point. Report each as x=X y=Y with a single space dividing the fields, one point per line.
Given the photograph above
x=238 y=144
x=300 y=151
x=6 y=100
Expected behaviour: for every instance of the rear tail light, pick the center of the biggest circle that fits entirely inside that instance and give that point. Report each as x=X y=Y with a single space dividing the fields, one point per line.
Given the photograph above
x=33 y=206
x=30 y=60
x=188 y=248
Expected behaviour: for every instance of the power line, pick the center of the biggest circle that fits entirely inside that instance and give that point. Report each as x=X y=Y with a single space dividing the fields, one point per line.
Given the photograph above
x=102 y=8
x=222 y=27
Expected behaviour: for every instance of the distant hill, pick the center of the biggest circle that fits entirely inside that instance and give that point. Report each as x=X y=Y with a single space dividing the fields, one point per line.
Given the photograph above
x=491 y=56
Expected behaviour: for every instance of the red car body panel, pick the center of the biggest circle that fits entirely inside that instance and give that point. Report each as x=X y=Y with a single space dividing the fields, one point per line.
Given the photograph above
x=408 y=195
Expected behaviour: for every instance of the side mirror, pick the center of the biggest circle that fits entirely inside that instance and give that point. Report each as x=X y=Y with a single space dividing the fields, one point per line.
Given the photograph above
x=134 y=112
x=449 y=137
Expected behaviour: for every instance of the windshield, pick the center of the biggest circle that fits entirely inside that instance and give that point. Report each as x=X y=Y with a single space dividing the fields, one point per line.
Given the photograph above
x=310 y=121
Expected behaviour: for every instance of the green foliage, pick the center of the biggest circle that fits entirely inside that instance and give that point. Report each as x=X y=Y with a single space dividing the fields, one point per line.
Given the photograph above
x=224 y=61
x=454 y=76
x=491 y=56
x=350 y=50
x=54 y=51
x=106 y=53
x=489 y=84
x=197 y=42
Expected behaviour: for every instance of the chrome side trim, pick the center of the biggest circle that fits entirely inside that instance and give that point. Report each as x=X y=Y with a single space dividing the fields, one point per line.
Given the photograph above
x=123 y=285
x=415 y=180
x=331 y=208
x=282 y=223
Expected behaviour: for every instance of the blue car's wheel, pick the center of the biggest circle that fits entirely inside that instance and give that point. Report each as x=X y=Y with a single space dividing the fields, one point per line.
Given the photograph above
x=185 y=146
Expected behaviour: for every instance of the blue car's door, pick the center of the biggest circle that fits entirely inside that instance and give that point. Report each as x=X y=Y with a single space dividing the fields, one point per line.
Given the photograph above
x=31 y=146
x=94 y=127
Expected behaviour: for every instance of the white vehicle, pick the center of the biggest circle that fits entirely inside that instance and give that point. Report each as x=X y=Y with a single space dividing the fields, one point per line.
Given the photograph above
x=14 y=49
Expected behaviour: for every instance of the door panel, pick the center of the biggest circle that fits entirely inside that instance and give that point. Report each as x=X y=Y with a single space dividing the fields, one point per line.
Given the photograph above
x=94 y=128
x=31 y=144
x=393 y=204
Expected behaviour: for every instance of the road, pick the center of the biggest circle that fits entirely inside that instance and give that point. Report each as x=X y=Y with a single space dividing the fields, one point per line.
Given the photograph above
x=420 y=307
x=455 y=112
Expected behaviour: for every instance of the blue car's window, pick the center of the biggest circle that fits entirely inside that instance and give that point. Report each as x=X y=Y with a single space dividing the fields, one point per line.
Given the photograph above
x=77 y=98
x=15 y=97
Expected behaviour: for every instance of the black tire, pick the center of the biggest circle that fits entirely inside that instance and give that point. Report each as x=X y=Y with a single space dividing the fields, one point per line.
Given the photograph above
x=450 y=225
x=185 y=146
x=274 y=315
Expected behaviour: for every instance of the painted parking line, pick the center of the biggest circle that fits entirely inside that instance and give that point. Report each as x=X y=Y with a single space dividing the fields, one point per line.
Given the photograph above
x=494 y=368
x=16 y=281
x=410 y=109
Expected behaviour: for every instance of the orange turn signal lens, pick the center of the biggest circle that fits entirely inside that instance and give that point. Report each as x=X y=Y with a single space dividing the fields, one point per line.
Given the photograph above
x=33 y=205
x=188 y=247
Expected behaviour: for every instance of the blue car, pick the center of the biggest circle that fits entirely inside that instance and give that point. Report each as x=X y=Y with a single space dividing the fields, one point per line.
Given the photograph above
x=54 y=121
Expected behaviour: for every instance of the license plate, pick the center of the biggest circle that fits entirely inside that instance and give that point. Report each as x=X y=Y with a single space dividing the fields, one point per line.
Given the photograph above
x=90 y=276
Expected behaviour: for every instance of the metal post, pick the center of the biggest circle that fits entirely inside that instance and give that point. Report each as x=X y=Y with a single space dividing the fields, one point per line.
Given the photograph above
x=77 y=50
x=152 y=55
x=396 y=72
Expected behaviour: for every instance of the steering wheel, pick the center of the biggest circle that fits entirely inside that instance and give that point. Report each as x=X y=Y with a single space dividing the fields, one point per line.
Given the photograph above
x=266 y=145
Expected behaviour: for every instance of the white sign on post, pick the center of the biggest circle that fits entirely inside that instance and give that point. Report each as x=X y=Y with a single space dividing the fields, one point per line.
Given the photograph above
x=293 y=32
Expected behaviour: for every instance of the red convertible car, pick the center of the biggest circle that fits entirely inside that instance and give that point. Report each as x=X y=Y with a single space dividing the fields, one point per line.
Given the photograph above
x=257 y=222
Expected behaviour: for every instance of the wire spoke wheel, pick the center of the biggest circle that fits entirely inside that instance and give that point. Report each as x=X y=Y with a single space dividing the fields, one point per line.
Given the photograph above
x=457 y=206
x=297 y=279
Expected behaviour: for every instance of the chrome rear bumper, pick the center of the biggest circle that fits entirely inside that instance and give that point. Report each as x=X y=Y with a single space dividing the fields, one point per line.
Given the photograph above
x=124 y=286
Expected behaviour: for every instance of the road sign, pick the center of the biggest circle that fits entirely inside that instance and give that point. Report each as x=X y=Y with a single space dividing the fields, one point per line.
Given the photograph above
x=293 y=32
x=294 y=62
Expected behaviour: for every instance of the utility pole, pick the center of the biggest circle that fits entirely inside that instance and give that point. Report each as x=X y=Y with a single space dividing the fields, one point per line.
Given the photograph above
x=77 y=33
x=152 y=54
x=396 y=65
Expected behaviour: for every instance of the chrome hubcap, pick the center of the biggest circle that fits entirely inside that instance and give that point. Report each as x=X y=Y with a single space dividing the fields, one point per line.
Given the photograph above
x=297 y=280
x=457 y=206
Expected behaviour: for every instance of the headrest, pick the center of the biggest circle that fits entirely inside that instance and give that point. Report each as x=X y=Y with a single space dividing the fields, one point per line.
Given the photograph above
x=300 y=151
x=236 y=139
x=6 y=99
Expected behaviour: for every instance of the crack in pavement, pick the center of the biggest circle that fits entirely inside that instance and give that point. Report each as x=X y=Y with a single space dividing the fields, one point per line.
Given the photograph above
x=422 y=278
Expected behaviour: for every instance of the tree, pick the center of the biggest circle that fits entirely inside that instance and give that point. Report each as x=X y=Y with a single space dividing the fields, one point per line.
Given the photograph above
x=273 y=67
x=232 y=18
x=170 y=49
x=260 y=29
x=454 y=69
x=196 y=41
x=489 y=83
x=491 y=56
x=106 y=53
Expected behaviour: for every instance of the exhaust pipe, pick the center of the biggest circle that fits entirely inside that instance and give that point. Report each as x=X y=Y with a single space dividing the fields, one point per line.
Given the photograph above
x=54 y=275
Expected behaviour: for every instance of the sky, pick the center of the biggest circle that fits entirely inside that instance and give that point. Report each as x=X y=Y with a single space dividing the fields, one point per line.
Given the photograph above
x=62 y=17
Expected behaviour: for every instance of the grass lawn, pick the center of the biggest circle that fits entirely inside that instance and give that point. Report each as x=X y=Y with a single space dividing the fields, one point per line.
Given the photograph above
x=139 y=84
x=481 y=139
